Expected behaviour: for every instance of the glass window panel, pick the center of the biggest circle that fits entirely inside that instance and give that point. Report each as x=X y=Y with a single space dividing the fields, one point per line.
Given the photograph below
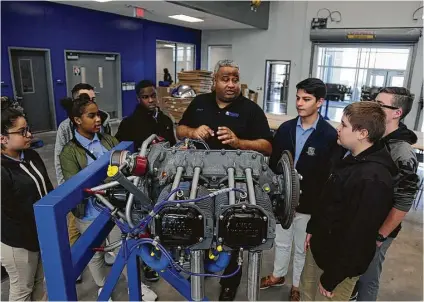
x=397 y=81
x=387 y=60
x=27 y=79
x=185 y=57
x=339 y=56
x=276 y=89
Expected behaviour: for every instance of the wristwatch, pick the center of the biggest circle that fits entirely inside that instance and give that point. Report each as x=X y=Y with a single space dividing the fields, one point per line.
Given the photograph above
x=381 y=238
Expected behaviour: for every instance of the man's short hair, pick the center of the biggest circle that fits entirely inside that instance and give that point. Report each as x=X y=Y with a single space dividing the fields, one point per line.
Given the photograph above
x=313 y=86
x=143 y=84
x=79 y=87
x=225 y=63
x=402 y=98
x=367 y=115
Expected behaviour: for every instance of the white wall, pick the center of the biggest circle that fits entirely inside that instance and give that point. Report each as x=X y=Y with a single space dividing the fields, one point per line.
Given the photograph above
x=288 y=38
x=217 y=53
x=164 y=59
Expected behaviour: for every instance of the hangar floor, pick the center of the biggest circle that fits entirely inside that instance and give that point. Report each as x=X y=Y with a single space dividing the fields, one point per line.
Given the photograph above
x=401 y=279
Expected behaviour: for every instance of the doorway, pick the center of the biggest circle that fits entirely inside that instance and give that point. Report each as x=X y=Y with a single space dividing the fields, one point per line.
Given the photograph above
x=32 y=85
x=102 y=71
x=176 y=57
x=277 y=76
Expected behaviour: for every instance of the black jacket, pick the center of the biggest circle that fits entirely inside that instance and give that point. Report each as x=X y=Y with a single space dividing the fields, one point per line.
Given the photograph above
x=22 y=184
x=314 y=161
x=406 y=183
x=143 y=123
x=355 y=201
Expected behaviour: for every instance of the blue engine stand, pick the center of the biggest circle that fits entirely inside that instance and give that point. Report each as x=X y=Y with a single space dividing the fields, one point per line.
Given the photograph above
x=63 y=264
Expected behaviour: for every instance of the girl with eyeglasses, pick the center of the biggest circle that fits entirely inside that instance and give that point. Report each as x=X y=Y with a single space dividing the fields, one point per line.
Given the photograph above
x=24 y=181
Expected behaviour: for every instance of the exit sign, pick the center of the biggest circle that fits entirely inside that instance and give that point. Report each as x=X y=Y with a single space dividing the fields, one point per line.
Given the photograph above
x=138 y=12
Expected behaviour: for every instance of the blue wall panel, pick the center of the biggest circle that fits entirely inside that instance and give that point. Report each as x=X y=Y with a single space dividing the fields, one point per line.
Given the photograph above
x=41 y=24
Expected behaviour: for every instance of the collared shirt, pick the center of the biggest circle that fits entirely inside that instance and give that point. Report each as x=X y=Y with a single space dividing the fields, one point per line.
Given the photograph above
x=97 y=149
x=242 y=116
x=21 y=157
x=302 y=136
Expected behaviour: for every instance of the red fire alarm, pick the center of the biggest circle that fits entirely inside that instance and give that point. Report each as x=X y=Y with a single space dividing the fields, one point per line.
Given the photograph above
x=138 y=12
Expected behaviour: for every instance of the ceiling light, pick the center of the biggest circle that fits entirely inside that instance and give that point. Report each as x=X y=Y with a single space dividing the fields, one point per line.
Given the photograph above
x=186 y=18
x=169 y=45
x=102 y=0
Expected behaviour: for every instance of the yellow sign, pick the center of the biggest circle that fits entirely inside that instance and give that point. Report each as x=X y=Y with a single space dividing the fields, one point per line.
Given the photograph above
x=359 y=36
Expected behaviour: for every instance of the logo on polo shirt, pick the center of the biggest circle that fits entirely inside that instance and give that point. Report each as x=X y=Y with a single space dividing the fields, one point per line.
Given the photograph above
x=199 y=109
x=232 y=114
x=311 y=151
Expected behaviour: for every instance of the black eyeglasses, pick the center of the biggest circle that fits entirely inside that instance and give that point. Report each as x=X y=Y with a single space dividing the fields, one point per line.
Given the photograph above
x=387 y=106
x=24 y=132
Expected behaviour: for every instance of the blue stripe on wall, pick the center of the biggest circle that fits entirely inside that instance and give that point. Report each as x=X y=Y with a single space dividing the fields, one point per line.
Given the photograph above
x=42 y=24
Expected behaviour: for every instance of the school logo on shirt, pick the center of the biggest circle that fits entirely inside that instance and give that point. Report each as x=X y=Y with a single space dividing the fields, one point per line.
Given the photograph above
x=232 y=114
x=311 y=151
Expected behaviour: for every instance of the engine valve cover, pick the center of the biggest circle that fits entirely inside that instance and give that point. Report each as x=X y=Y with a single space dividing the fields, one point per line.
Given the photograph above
x=243 y=227
x=179 y=226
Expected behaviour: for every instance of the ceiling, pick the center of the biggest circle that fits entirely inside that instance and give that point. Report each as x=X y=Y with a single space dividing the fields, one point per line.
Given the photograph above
x=159 y=11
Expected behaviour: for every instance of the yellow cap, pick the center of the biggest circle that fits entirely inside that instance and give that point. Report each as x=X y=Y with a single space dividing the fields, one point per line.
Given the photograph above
x=112 y=170
x=152 y=254
x=219 y=248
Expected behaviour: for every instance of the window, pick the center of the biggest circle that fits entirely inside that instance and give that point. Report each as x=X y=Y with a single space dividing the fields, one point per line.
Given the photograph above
x=176 y=57
x=358 y=66
x=277 y=75
x=26 y=74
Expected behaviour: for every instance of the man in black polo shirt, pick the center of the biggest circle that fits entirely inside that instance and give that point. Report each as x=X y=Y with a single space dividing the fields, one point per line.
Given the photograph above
x=225 y=119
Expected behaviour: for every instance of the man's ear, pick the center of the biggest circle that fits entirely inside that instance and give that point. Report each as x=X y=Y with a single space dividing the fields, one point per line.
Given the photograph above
x=4 y=139
x=398 y=113
x=320 y=102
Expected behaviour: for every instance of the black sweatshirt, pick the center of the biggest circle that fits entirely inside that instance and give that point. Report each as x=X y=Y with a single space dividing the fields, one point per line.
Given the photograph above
x=143 y=123
x=355 y=201
x=399 y=143
x=23 y=183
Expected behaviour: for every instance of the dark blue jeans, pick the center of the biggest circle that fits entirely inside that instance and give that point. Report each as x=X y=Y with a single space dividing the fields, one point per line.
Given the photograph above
x=369 y=282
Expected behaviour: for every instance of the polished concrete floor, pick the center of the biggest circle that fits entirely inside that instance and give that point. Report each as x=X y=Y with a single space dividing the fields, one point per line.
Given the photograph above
x=402 y=278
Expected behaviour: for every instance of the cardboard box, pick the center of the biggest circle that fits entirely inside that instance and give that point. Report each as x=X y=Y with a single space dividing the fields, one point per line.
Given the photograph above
x=162 y=92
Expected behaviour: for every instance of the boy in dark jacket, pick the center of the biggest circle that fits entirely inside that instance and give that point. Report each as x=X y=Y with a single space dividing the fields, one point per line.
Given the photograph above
x=147 y=119
x=354 y=203
x=396 y=103
x=312 y=141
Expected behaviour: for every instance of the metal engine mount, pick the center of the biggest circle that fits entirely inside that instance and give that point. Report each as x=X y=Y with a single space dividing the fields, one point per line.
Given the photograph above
x=205 y=202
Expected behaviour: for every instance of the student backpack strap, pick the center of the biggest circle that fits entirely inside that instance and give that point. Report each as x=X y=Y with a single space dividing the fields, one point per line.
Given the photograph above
x=82 y=147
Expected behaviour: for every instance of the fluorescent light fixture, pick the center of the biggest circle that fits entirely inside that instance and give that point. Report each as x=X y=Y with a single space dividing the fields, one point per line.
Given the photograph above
x=102 y=0
x=169 y=45
x=186 y=18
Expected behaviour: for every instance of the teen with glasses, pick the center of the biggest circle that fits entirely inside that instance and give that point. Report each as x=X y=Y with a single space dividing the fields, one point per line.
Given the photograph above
x=396 y=103
x=24 y=181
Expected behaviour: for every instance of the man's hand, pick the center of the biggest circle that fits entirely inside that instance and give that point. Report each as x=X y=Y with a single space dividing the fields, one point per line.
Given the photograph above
x=228 y=137
x=308 y=241
x=203 y=132
x=324 y=292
